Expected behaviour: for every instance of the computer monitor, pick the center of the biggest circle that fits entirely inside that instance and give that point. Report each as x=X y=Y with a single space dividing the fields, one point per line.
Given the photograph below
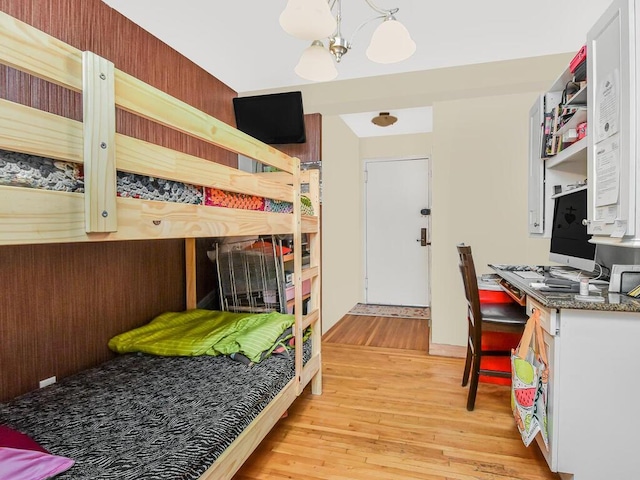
x=569 y=238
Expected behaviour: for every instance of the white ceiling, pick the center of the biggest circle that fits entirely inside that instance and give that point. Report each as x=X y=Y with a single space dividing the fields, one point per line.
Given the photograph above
x=241 y=43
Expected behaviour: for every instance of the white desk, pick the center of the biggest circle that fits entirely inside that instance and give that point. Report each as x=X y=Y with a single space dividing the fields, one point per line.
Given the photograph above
x=594 y=383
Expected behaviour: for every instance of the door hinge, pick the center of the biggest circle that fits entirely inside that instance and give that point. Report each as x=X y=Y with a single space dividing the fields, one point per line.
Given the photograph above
x=366 y=176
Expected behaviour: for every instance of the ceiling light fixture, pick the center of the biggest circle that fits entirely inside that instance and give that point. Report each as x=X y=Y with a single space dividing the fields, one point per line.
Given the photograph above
x=314 y=20
x=384 y=119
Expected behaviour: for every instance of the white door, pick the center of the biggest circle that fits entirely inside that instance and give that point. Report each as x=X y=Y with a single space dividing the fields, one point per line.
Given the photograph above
x=397 y=232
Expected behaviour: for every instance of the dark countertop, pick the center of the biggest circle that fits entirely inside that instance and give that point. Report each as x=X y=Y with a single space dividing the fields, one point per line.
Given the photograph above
x=613 y=302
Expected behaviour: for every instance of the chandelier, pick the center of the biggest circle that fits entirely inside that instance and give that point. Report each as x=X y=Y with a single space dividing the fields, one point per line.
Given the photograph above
x=315 y=20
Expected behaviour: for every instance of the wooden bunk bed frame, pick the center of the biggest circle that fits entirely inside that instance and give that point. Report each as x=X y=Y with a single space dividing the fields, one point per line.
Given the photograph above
x=29 y=216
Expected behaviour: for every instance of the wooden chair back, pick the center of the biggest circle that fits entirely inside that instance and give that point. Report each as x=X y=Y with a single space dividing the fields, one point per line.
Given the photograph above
x=472 y=294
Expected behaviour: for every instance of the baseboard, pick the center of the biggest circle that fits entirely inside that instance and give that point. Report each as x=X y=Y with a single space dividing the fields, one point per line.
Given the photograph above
x=442 y=350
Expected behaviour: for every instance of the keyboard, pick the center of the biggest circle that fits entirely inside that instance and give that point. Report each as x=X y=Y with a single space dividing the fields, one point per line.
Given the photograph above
x=529 y=275
x=514 y=268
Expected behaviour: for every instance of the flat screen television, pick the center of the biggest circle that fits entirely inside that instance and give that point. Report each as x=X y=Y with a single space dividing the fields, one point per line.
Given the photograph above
x=569 y=238
x=273 y=118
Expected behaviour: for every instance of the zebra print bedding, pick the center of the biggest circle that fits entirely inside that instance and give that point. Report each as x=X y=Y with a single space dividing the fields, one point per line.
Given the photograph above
x=141 y=416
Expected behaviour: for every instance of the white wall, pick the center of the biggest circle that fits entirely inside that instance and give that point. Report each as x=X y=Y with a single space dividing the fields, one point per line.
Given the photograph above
x=342 y=213
x=478 y=152
x=480 y=122
x=479 y=171
x=342 y=209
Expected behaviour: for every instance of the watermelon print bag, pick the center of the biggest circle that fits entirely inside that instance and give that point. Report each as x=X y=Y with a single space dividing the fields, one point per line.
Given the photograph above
x=529 y=379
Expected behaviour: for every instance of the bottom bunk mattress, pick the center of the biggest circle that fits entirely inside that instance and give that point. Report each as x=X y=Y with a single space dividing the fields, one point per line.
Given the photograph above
x=142 y=416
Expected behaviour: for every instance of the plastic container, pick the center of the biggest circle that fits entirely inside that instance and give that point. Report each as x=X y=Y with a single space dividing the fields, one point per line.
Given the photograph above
x=580 y=57
x=581 y=130
x=491 y=292
x=584 y=287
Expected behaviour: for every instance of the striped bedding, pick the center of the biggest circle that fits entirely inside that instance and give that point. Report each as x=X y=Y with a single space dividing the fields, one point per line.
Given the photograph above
x=141 y=416
x=207 y=332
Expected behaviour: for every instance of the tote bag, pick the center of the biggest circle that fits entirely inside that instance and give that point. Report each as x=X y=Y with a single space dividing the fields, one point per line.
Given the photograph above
x=529 y=380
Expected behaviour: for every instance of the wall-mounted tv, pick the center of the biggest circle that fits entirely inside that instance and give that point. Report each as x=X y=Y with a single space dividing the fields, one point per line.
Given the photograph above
x=273 y=118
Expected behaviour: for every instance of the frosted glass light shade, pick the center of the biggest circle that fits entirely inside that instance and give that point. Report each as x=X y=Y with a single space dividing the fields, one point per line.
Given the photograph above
x=308 y=19
x=316 y=64
x=390 y=43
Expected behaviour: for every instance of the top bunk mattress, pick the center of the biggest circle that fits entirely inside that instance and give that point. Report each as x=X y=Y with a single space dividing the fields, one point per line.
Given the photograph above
x=143 y=416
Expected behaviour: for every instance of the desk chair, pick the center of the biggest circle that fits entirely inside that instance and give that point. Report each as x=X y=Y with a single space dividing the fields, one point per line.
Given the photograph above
x=496 y=317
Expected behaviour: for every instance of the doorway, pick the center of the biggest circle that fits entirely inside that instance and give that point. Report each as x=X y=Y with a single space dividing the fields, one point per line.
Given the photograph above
x=397 y=236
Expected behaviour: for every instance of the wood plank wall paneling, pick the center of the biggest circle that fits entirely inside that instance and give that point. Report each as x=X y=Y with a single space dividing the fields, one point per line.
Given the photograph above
x=94 y=26
x=311 y=150
x=61 y=303
x=22 y=88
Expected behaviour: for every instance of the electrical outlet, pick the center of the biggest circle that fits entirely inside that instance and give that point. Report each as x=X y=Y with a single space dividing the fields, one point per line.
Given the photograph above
x=47 y=381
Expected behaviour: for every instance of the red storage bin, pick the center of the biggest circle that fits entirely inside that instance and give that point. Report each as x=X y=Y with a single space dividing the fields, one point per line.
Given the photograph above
x=494 y=296
x=580 y=57
x=497 y=340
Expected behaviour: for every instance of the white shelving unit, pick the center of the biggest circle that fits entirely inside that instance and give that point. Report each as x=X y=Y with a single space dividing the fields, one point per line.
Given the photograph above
x=613 y=151
x=577 y=152
x=563 y=170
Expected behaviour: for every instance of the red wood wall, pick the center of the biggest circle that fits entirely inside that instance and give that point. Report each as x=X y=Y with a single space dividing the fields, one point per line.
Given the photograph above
x=61 y=303
x=311 y=150
x=92 y=25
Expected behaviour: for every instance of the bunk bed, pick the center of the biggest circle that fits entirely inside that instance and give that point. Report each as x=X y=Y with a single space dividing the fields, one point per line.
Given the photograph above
x=94 y=203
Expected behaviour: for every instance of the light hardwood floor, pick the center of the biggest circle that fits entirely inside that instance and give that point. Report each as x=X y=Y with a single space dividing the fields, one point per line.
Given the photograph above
x=394 y=413
x=406 y=333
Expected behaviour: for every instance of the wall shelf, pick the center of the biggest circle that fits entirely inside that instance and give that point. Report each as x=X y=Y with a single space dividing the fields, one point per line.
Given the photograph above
x=579 y=99
x=577 y=189
x=576 y=152
x=579 y=117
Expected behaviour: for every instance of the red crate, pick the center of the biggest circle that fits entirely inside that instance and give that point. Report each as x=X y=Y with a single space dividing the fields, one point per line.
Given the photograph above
x=494 y=296
x=580 y=57
x=497 y=341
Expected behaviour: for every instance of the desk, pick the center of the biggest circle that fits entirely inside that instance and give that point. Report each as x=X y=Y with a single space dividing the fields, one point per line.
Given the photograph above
x=520 y=289
x=594 y=384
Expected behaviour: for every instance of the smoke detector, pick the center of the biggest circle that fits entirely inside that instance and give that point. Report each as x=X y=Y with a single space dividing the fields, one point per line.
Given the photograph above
x=384 y=119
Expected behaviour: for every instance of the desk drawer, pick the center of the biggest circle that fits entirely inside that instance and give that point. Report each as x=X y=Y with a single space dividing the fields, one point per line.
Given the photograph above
x=548 y=316
x=514 y=292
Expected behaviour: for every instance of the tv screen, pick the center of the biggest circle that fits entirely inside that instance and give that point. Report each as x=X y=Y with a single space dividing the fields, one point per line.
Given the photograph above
x=273 y=118
x=569 y=238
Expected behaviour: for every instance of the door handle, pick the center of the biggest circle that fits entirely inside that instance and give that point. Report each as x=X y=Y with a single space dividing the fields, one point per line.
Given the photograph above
x=423 y=238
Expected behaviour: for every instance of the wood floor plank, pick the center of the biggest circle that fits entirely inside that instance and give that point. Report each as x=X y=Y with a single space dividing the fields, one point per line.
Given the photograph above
x=389 y=413
x=398 y=333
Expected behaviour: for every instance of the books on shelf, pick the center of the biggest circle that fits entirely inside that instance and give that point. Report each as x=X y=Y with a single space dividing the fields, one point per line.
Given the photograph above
x=547 y=134
x=557 y=131
x=550 y=133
